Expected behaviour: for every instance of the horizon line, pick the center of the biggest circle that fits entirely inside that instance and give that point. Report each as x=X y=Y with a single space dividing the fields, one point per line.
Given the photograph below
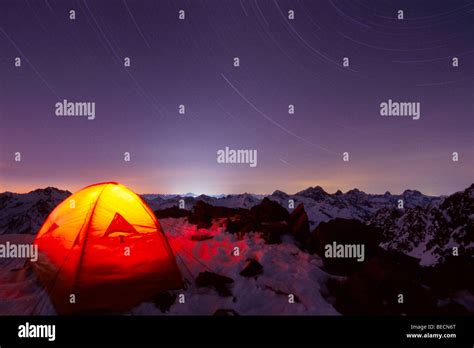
x=249 y=193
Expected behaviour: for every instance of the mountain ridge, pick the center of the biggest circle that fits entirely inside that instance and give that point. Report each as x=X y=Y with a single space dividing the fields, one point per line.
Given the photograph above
x=25 y=212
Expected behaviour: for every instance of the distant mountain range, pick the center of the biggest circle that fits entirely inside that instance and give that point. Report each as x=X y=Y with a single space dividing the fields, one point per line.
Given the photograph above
x=24 y=213
x=320 y=205
x=425 y=227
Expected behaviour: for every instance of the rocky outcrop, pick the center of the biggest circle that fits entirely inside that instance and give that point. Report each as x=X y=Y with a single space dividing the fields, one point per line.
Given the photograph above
x=252 y=269
x=269 y=211
x=342 y=232
x=173 y=212
x=299 y=226
x=215 y=281
x=389 y=284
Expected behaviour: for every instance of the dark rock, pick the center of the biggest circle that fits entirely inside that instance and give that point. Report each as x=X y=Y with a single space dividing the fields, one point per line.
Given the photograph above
x=269 y=211
x=269 y=218
x=201 y=237
x=163 y=301
x=252 y=269
x=374 y=289
x=455 y=273
x=204 y=213
x=345 y=232
x=273 y=231
x=234 y=226
x=242 y=225
x=212 y=280
x=299 y=225
x=173 y=212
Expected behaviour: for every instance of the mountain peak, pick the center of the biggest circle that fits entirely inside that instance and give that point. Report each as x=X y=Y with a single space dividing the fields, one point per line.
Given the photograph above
x=317 y=193
x=411 y=192
x=313 y=189
x=354 y=191
x=279 y=193
x=48 y=189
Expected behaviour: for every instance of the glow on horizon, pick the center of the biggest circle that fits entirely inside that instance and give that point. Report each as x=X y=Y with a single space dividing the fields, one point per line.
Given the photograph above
x=289 y=187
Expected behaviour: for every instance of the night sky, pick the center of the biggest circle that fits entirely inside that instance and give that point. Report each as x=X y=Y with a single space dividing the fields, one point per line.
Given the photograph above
x=282 y=62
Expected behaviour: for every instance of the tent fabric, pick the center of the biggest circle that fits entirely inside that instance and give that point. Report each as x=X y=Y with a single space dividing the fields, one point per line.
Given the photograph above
x=119 y=225
x=103 y=250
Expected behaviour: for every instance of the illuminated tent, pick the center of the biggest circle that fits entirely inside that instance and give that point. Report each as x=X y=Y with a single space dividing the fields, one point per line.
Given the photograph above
x=103 y=250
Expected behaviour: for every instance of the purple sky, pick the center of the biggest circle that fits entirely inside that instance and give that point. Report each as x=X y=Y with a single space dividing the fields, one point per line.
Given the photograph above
x=282 y=62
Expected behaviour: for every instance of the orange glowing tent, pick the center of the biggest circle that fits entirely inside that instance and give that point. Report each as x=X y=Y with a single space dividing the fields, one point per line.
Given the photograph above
x=102 y=250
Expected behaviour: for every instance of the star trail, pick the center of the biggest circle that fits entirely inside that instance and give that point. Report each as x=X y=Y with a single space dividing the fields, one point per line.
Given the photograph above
x=306 y=94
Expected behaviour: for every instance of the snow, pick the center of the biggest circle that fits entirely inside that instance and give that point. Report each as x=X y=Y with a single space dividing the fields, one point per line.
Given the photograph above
x=420 y=251
x=354 y=204
x=20 y=293
x=286 y=270
x=245 y=200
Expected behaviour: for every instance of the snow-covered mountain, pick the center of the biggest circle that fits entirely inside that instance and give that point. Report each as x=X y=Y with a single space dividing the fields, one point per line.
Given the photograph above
x=430 y=232
x=25 y=213
x=354 y=204
x=320 y=205
x=245 y=200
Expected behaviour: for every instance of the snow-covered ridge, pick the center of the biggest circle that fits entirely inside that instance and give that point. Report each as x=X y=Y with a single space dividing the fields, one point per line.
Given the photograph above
x=354 y=204
x=24 y=213
x=320 y=205
x=429 y=232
